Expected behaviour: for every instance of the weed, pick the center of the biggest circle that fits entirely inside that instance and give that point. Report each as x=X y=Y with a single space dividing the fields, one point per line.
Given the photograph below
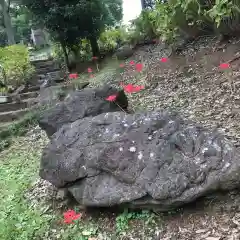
x=17 y=220
x=123 y=219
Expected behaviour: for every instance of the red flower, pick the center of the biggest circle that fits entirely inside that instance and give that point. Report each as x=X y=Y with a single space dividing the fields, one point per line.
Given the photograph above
x=89 y=70
x=71 y=215
x=139 y=67
x=121 y=65
x=76 y=216
x=132 y=62
x=163 y=59
x=111 y=98
x=73 y=75
x=224 y=65
x=138 y=88
x=94 y=58
x=131 y=88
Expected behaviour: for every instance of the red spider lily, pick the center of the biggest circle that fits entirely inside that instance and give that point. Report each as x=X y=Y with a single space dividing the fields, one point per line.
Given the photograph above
x=73 y=75
x=111 y=98
x=131 y=88
x=224 y=65
x=89 y=70
x=132 y=62
x=163 y=59
x=138 y=88
x=71 y=215
x=94 y=58
x=122 y=65
x=139 y=67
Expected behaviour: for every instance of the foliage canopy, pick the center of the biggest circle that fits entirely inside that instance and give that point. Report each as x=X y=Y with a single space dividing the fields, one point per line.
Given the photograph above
x=71 y=20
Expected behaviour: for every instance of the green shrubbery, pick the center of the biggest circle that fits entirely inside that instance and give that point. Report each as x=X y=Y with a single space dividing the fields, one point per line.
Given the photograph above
x=111 y=38
x=108 y=41
x=169 y=20
x=15 y=64
x=176 y=17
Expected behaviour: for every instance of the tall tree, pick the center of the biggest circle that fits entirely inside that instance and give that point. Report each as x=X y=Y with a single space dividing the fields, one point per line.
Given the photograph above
x=70 y=20
x=6 y=21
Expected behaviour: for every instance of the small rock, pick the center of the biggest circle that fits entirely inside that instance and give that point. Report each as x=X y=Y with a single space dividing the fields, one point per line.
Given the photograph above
x=62 y=194
x=212 y=238
x=201 y=231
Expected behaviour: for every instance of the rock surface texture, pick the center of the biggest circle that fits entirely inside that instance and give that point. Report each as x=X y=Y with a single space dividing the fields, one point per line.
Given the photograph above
x=81 y=104
x=147 y=159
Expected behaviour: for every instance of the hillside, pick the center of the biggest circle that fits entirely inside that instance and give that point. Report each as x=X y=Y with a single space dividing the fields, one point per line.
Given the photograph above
x=191 y=83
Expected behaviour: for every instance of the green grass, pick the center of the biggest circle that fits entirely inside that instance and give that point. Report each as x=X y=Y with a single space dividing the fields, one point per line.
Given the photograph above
x=122 y=220
x=19 y=167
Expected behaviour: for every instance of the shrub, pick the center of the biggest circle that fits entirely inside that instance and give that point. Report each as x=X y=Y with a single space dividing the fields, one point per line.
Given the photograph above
x=189 y=18
x=15 y=62
x=143 y=27
x=57 y=51
x=112 y=38
x=226 y=16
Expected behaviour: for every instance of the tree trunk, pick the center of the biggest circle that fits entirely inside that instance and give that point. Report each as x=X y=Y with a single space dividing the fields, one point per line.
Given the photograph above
x=94 y=46
x=65 y=55
x=143 y=4
x=76 y=53
x=7 y=23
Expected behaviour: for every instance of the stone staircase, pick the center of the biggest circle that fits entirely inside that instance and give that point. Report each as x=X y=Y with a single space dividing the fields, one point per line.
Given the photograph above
x=47 y=69
x=14 y=110
x=19 y=106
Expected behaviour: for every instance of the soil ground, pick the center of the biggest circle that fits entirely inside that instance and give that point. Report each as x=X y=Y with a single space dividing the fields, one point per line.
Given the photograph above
x=191 y=83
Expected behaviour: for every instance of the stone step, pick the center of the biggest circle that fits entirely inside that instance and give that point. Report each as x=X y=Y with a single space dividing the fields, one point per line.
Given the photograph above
x=28 y=95
x=13 y=115
x=14 y=106
x=42 y=61
x=5 y=125
x=31 y=89
x=47 y=70
x=45 y=64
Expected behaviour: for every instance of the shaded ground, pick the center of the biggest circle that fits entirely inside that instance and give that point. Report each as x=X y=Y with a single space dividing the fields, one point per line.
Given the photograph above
x=191 y=83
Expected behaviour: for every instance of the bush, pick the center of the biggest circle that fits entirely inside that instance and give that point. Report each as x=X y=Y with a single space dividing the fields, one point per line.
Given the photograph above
x=112 y=39
x=187 y=18
x=15 y=62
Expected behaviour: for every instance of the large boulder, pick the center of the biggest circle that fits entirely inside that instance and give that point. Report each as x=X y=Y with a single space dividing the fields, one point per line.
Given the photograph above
x=80 y=104
x=151 y=159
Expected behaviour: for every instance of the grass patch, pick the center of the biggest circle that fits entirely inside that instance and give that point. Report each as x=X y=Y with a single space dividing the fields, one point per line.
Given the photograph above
x=122 y=220
x=19 y=167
